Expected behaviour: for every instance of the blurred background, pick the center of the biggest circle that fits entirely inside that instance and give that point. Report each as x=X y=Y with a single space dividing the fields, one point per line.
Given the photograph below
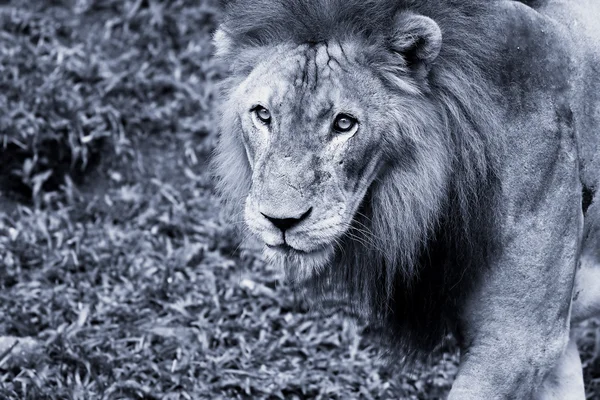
x=119 y=279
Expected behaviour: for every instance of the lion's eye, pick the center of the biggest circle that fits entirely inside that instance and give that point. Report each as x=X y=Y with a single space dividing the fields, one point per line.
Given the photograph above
x=344 y=123
x=262 y=114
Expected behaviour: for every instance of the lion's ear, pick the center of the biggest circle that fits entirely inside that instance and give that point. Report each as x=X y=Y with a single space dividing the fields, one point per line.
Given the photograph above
x=418 y=39
x=223 y=42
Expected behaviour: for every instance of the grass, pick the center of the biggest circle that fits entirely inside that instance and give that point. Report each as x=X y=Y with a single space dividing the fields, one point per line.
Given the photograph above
x=119 y=278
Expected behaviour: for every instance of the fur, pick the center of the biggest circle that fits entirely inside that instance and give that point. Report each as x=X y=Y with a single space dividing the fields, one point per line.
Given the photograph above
x=436 y=243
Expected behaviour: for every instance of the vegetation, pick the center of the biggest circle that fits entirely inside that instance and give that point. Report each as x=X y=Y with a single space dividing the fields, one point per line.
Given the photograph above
x=119 y=279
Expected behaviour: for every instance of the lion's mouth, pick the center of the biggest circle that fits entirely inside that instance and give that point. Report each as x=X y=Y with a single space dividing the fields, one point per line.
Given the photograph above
x=289 y=252
x=287 y=249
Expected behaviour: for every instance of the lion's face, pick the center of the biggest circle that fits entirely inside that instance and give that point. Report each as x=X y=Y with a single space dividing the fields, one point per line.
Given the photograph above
x=307 y=130
x=312 y=134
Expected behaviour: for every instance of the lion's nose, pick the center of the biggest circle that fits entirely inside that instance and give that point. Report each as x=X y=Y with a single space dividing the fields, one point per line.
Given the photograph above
x=283 y=224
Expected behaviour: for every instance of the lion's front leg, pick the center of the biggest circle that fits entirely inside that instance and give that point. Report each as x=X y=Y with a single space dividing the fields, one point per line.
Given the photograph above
x=515 y=326
x=520 y=355
x=563 y=382
x=500 y=369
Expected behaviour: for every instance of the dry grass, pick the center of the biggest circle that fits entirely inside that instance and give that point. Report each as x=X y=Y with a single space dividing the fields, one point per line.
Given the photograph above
x=119 y=279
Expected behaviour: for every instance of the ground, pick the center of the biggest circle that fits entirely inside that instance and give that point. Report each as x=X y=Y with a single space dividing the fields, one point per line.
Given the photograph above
x=119 y=278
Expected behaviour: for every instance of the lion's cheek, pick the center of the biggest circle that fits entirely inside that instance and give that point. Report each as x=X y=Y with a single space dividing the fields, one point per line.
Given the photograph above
x=255 y=143
x=358 y=175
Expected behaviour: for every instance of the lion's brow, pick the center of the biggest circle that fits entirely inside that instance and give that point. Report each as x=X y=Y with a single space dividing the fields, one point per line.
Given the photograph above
x=326 y=111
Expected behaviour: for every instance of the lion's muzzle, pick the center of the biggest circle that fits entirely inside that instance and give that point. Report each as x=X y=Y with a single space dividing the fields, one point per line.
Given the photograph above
x=283 y=224
x=279 y=226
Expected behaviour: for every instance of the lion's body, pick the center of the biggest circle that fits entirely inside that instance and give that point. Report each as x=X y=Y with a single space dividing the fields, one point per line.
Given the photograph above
x=576 y=25
x=455 y=199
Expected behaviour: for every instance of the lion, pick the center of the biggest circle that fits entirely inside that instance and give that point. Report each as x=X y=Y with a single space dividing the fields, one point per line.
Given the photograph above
x=435 y=162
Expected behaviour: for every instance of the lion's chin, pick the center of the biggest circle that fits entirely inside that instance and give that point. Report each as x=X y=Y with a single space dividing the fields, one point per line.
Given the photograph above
x=298 y=266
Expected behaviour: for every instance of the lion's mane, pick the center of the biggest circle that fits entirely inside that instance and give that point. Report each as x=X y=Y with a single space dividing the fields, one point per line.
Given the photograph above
x=413 y=287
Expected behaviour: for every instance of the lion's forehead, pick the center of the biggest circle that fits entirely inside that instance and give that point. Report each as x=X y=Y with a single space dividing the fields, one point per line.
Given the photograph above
x=308 y=81
x=318 y=63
